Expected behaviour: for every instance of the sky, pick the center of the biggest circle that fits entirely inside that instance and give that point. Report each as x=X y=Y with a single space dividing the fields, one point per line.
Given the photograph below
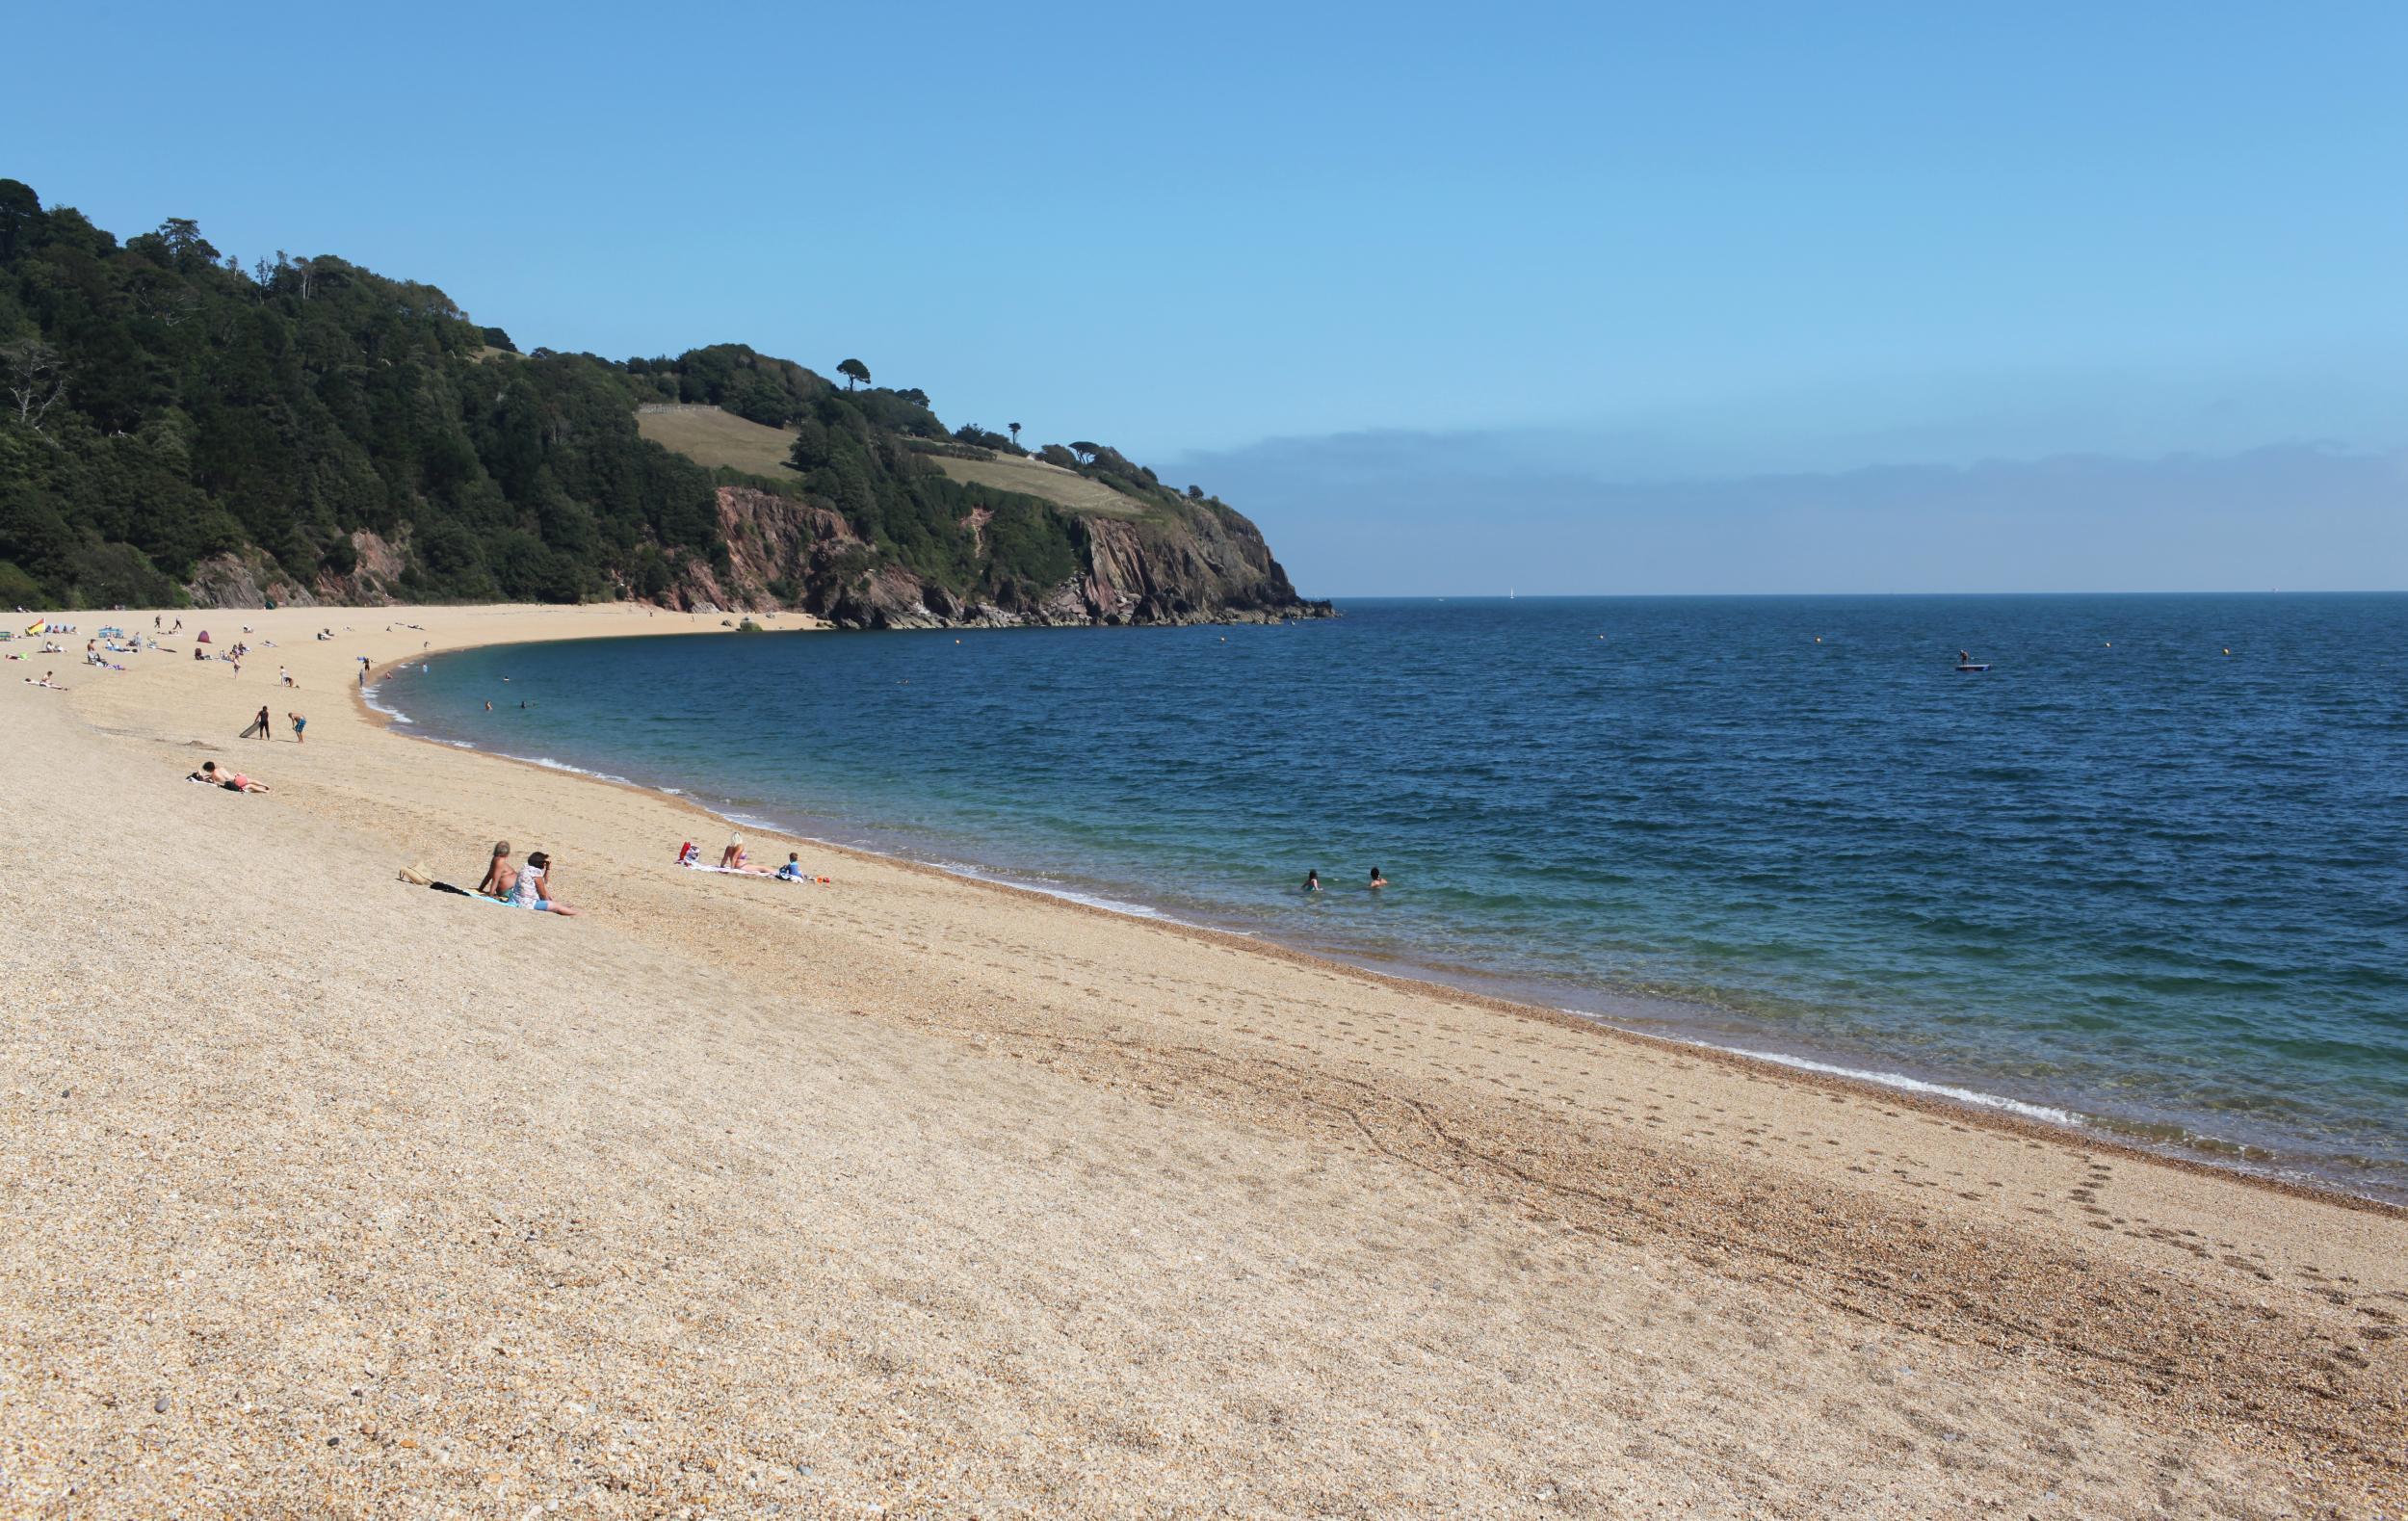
x=1580 y=269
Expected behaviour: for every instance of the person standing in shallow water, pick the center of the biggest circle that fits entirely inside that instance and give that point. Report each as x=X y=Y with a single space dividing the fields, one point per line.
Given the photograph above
x=1377 y=881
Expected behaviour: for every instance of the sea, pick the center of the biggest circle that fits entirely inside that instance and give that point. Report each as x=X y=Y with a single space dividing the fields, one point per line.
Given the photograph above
x=2146 y=873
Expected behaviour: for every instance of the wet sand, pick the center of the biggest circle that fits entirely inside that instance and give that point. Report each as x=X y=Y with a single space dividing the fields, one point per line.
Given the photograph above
x=328 y=1194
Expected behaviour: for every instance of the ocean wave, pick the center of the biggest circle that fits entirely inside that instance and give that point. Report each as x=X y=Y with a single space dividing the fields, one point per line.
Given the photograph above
x=549 y=764
x=980 y=874
x=2044 y=1113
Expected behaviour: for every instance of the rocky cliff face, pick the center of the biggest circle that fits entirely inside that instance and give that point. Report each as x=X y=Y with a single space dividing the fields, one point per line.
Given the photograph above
x=1212 y=567
x=1209 y=566
x=251 y=578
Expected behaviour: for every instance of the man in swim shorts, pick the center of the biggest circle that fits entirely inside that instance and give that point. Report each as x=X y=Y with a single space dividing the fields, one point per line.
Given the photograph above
x=230 y=780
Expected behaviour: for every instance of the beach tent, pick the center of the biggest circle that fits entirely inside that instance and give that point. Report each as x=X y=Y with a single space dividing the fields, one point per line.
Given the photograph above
x=203 y=639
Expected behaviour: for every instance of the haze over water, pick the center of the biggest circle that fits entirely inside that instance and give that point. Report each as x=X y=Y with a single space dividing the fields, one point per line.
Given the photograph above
x=2123 y=873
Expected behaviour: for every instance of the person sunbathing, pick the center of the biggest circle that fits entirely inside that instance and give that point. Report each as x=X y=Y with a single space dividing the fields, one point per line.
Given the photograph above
x=499 y=872
x=736 y=859
x=533 y=891
x=230 y=780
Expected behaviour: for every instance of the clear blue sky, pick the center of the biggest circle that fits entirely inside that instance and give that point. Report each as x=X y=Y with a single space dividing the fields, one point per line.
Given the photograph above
x=1632 y=243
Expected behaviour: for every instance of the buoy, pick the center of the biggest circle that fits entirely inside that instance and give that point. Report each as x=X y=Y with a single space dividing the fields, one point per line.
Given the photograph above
x=2228 y=649
x=1817 y=638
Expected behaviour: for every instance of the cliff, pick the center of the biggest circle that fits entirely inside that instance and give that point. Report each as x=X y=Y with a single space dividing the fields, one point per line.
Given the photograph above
x=1207 y=567
x=187 y=428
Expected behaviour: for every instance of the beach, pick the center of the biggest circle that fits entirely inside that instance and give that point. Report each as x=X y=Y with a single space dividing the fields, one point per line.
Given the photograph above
x=908 y=1195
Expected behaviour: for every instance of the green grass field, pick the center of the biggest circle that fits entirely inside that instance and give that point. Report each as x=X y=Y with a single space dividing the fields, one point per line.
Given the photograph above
x=710 y=436
x=1036 y=478
x=713 y=438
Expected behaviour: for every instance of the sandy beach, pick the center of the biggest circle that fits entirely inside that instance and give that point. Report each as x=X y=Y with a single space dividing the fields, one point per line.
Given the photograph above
x=327 y=1194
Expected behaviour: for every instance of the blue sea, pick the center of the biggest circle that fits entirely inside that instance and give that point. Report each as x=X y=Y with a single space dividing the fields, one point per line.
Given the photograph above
x=2149 y=871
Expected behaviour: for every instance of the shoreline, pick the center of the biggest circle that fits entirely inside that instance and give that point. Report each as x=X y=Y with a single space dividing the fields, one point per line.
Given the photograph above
x=946 y=1194
x=1941 y=1093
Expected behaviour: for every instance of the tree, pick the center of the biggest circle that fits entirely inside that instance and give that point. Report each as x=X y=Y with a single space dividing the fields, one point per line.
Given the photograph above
x=855 y=371
x=1014 y=429
x=20 y=214
x=185 y=245
x=36 y=378
x=1085 y=449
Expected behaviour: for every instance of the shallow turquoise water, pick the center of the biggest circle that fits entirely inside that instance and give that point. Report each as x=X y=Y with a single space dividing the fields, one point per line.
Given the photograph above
x=2122 y=874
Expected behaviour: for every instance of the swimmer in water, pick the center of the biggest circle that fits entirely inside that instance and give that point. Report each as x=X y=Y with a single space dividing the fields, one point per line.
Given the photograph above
x=1313 y=881
x=1377 y=881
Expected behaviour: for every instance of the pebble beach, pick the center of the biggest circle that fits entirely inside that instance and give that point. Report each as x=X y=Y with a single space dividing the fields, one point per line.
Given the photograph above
x=323 y=1194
